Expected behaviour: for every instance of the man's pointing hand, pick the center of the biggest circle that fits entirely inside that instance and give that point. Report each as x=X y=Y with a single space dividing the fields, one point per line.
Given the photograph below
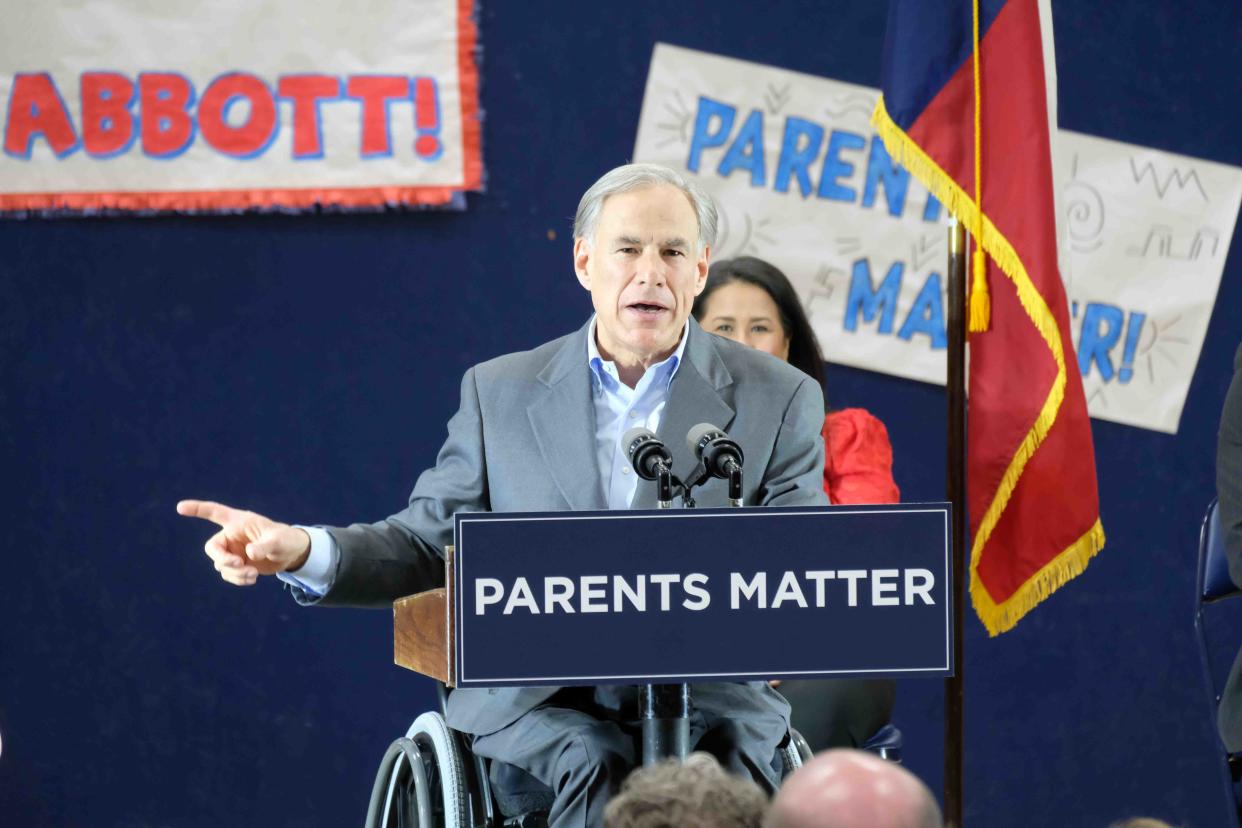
x=248 y=545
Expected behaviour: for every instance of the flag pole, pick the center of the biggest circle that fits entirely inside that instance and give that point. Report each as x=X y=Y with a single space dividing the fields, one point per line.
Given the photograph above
x=955 y=491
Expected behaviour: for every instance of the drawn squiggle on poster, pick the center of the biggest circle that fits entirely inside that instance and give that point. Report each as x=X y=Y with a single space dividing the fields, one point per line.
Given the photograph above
x=851 y=104
x=1154 y=344
x=752 y=236
x=1160 y=243
x=679 y=126
x=775 y=97
x=848 y=245
x=1183 y=179
x=926 y=249
x=818 y=301
x=1084 y=213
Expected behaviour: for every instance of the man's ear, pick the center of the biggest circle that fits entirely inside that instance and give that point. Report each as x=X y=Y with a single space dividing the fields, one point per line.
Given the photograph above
x=702 y=266
x=582 y=254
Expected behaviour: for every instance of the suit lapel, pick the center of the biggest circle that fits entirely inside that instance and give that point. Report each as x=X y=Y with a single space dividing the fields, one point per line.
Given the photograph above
x=563 y=419
x=700 y=393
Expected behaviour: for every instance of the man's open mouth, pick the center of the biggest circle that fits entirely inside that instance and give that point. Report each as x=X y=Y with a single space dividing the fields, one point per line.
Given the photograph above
x=646 y=307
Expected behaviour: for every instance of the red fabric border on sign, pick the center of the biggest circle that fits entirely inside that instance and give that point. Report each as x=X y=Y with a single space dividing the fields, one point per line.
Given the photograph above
x=468 y=86
x=210 y=200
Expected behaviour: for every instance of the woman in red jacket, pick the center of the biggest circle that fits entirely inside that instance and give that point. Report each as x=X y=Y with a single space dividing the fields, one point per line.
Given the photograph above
x=750 y=301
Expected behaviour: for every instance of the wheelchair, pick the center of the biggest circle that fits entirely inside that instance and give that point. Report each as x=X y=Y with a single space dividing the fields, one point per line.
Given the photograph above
x=431 y=778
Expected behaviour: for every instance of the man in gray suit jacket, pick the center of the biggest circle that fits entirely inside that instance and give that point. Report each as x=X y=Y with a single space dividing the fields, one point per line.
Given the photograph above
x=541 y=431
x=1229 y=492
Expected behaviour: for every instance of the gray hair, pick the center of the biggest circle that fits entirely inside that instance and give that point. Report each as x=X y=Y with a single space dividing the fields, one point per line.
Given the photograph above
x=632 y=177
x=696 y=794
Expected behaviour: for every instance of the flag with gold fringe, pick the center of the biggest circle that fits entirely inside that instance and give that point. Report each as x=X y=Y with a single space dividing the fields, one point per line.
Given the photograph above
x=964 y=107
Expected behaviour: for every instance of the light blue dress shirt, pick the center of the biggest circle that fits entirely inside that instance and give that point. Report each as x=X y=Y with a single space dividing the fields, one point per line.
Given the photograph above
x=618 y=408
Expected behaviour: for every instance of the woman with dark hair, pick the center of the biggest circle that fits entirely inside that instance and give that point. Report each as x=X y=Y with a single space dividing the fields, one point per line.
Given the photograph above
x=750 y=301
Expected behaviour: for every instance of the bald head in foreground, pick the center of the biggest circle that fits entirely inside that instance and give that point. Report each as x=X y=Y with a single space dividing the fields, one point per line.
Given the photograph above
x=853 y=789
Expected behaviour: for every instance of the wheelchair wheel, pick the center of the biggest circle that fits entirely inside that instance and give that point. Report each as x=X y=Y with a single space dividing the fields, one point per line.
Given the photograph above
x=794 y=754
x=800 y=744
x=434 y=739
x=420 y=780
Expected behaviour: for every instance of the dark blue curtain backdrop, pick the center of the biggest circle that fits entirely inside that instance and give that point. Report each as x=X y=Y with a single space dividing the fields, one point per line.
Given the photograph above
x=305 y=366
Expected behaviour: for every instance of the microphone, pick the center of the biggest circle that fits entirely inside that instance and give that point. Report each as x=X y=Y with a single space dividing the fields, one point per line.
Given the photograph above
x=646 y=452
x=720 y=456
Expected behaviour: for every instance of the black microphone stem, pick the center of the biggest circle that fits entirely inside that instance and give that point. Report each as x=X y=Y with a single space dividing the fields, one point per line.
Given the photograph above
x=735 y=485
x=664 y=709
x=664 y=488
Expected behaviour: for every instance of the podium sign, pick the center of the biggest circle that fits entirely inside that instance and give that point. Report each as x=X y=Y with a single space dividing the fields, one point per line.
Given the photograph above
x=691 y=595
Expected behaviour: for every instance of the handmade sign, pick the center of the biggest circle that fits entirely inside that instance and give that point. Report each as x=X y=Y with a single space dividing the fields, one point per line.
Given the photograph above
x=238 y=104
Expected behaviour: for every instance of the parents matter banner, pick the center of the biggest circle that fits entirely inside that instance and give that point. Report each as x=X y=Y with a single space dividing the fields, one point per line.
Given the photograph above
x=238 y=104
x=803 y=180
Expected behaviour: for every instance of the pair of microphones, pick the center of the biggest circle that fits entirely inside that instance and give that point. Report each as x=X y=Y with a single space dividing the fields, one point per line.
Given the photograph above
x=717 y=455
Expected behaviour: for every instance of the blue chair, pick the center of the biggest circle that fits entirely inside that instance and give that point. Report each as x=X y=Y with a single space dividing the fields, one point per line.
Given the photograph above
x=1212 y=585
x=886 y=743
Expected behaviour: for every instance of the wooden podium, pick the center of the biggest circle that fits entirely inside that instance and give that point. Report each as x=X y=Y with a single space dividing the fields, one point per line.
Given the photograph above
x=423 y=634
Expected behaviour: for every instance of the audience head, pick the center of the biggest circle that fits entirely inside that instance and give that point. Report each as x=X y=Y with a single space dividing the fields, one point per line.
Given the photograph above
x=750 y=301
x=697 y=793
x=1141 y=822
x=852 y=789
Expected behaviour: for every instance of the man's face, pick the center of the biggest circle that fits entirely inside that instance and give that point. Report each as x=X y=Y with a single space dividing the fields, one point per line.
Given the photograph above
x=643 y=269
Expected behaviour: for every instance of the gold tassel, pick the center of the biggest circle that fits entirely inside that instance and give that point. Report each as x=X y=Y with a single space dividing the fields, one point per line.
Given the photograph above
x=980 y=301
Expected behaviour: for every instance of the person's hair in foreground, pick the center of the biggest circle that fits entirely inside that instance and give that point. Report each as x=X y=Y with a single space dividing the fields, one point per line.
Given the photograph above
x=1141 y=822
x=697 y=793
x=852 y=789
x=804 y=352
